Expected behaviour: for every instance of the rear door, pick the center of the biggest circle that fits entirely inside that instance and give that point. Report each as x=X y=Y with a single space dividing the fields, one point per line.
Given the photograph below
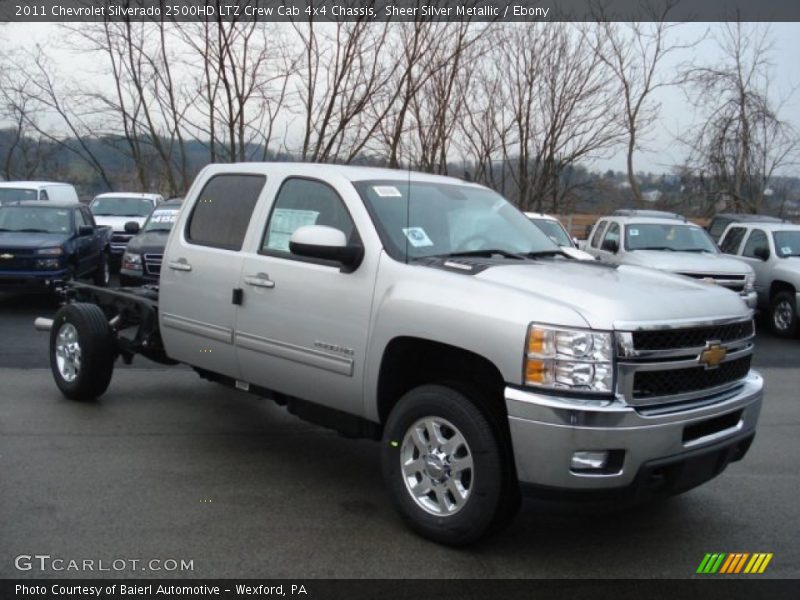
x=302 y=327
x=757 y=242
x=86 y=245
x=201 y=269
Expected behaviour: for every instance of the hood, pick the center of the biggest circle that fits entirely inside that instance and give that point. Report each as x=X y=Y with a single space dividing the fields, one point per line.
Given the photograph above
x=118 y=223
x=149 y=242
x=577 y=253
x=605 y=295
x=687 y=262
x=28 y=241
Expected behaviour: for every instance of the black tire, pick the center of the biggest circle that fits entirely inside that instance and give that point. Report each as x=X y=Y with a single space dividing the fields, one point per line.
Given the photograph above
x=488 y=500
x=102 y=275
x=95 y=351
x=783 y=314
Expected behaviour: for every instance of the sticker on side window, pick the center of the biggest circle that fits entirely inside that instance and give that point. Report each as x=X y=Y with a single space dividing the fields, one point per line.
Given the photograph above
x=786 y=250
x=283 y=224
x=417 y=237
x=633 y=232
x=387 y=191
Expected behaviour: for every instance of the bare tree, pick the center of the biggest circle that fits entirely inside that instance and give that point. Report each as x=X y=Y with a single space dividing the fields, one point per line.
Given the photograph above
x=742 y=141
x=633 y=51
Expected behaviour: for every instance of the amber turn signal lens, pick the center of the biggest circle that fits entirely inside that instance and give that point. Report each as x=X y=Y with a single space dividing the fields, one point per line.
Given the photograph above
x=534 y=371
x=536 y=341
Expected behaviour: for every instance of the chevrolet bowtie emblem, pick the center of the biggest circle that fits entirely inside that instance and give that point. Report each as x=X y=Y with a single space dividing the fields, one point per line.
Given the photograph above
x=6 y=256
x=713 y=355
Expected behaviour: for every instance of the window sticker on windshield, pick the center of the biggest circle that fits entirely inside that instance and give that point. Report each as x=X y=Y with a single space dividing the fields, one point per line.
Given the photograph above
x=417 y=237
x=633 y=232
x=387 y=191
x=786 y=249
x=62 y=213
x=164 y=217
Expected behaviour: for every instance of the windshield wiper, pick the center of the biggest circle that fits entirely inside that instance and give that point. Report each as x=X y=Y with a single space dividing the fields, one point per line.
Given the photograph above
x=489 y=252
x=545 y=253
x=655 y=248
x=103 y=215
x=32 y=230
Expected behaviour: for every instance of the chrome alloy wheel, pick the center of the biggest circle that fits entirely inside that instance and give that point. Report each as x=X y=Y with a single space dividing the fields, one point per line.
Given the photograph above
x=437 y=467
x=68 y=352
x=782 y=315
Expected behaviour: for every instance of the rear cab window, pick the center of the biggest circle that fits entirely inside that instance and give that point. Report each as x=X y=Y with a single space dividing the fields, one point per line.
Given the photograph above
x=221 y=214
x=598 y=234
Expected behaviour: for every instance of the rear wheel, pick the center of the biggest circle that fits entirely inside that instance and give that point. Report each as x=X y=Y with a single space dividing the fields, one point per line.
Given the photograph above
x=783 y=314
x=443 y=465
x=82 y=351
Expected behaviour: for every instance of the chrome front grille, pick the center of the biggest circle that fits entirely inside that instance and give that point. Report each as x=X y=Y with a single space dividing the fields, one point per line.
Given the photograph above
x=732 y=282
x=667 y=365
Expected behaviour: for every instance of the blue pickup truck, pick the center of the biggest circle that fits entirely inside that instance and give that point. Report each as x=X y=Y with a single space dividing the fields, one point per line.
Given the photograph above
x=45 y=243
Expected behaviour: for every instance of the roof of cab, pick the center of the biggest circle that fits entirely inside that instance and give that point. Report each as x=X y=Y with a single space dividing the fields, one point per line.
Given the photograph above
x=43 y=204
x=349 y=172
x=128 y=195
x=766 y=226
x=30 y=184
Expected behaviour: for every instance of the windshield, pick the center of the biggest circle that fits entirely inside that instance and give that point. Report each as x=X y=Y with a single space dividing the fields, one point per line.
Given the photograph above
x=554 y=231
x=15 y=194
x=35 y=219
x=422 y=219
x=668 y=236
x=787 y=243
x=121 y=207
x=161 y=220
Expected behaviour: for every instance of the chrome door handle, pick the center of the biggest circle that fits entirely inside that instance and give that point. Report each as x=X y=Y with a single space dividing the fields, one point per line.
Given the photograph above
x=179 y=265
x=259 y=280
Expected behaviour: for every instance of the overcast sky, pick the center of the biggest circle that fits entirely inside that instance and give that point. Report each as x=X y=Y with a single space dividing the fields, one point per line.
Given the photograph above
x=676 y=113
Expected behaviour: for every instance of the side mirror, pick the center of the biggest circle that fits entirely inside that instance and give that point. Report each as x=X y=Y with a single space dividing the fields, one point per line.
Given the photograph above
x=610 y=245
x=325 y=243
x=85 y=230
x=762 y=253
x=132 y=227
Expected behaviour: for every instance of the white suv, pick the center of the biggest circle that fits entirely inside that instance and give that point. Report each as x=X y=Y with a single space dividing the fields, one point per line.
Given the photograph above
x=668 y=242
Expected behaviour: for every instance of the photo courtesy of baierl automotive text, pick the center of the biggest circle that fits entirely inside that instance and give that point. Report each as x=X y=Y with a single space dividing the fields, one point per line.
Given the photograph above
x=293 y=297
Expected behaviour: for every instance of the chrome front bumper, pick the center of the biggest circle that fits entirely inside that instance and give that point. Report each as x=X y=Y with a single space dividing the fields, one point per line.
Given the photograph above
x=547 y=430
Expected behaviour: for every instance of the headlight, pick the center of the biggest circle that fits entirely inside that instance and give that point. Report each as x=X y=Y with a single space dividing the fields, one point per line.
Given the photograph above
x=132 y=261
x=47 y=263
x=50 y=251
x=749 y=282
x=571 y=359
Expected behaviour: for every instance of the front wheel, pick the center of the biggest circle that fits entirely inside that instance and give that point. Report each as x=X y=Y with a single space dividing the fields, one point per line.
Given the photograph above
x=82 y=351
x=443 y=465
x=783 y=314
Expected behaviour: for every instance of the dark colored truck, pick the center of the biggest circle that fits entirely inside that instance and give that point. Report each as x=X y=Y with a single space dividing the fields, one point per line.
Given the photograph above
x=43 y=244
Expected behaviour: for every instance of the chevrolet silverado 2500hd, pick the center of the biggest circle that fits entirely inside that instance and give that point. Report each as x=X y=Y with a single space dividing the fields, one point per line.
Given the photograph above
x=430 y=314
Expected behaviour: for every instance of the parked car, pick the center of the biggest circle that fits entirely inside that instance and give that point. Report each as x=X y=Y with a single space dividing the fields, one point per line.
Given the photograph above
x=117 y=208
x=553 y=229
x=432 y=315
x=141 y=262
x=720 y=222
x=20 y=191
x=44 y=243
x=668 y=242
x=773 y=251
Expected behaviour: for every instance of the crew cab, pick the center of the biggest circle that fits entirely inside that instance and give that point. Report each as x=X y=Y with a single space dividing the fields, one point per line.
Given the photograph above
x=46 y=243
x=24 y=191
x=668 y=242
x=773 y=251
x=115 y=209
x=430 y=314
x=141 y=262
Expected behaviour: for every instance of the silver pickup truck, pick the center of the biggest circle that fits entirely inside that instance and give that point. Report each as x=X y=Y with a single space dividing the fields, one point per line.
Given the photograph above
x=773 y=251
x=430 y=314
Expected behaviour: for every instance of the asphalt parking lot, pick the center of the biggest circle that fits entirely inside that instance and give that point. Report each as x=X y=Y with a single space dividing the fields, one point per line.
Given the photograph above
x=167 y=466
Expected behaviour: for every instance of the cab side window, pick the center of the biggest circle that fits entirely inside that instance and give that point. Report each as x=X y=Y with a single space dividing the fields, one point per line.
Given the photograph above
x=757 y=245
x=612 y=235
x=732 y=240
x=223 y=209
x=303 y=202
x=598 y=234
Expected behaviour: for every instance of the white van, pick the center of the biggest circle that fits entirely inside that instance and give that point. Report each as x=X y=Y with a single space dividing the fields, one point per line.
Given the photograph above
x=13 y=191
